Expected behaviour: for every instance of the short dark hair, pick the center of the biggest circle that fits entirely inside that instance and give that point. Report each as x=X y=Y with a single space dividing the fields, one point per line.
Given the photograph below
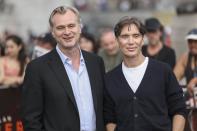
x=153 y=24
x=128 y=21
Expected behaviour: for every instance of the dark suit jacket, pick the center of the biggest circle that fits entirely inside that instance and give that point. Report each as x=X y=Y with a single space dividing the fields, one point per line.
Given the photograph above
x=48 y=102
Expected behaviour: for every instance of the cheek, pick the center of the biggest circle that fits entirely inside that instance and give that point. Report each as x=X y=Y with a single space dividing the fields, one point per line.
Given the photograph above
x=190 y=46
x=123 y=43
x=195 y=49
x=141 y=43
x=195 y=45
x=57 y=33
x=90 y=45
x=122 y=46
x=9 y=51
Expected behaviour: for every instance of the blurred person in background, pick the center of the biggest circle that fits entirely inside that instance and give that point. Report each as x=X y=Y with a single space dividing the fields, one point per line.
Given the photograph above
x=13 y=64
x=3 y=37
x=1 y=49
x=109 y=50
x=186 y=67
x=88 y=43
x=1 y=45
x=124 y=5
x=187 y=64
x=44 y=44
x=167 y=36
x=156 y=48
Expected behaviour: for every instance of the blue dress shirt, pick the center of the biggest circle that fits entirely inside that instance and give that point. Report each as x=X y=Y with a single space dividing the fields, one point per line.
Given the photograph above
x=82 y=91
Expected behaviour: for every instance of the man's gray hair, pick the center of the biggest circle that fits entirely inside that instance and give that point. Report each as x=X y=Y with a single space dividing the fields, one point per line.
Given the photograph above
x=63 y=10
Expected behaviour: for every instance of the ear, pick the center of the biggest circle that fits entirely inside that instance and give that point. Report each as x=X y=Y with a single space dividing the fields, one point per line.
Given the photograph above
x=117 y=41
x=51 y=30
x=143 y=40
x=53 y=34
x=81 y=27
x=20 y=47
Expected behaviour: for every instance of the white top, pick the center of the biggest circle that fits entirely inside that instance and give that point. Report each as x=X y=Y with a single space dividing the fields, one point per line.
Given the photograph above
x=134 y=75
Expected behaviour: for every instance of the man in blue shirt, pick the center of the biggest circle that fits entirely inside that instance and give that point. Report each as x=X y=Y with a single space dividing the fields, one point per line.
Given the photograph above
x=63 y=90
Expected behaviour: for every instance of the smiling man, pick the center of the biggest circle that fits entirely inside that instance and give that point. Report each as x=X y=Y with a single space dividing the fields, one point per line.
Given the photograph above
x=141 y=94
x=156 y=47
x=63 y=90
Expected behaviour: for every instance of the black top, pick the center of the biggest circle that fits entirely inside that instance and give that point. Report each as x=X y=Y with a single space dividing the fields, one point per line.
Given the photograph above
x=151 y=108
x=166 y=55
x=189 y=72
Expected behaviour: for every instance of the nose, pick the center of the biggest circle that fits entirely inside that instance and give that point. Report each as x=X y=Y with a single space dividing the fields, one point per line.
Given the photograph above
x=67 y=31
x=130 y=40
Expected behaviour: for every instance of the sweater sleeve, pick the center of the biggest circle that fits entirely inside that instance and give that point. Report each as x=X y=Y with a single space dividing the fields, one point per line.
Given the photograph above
x=174 y=95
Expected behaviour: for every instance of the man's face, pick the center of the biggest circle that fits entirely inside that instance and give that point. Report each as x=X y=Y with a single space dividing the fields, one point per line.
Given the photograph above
x=66 y=30
x=130 y=41
x=154 y=36
x=192 y=44
x=109 y=43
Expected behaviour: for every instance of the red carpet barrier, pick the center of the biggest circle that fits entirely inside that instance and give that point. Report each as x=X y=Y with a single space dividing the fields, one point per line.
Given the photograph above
x=10 y=109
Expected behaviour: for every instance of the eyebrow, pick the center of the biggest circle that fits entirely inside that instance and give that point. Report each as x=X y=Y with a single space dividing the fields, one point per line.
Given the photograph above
x=131 y=34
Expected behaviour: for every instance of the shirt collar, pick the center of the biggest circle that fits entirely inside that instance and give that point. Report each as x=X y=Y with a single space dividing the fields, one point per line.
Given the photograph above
x=66 y=59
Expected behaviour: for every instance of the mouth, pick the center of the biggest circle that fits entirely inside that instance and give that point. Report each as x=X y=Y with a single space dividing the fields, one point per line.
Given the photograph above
x=131 y=49
x=67 y=39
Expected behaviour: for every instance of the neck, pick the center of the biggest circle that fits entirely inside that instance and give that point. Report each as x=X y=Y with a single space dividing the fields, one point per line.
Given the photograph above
x=74 y=55
x=134 y=61
x=13 y=57
x=157 y=45
x=154 y=49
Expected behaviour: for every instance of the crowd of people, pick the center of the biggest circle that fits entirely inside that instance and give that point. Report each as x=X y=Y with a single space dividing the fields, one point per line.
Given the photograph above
x=141 y=90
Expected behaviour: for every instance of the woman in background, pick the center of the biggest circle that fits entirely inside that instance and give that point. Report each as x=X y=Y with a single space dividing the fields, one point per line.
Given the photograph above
x=87 y=42
x=13 y=64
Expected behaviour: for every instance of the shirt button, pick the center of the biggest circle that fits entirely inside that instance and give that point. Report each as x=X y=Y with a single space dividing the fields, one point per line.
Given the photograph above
x=135 y=98
x=136 y=115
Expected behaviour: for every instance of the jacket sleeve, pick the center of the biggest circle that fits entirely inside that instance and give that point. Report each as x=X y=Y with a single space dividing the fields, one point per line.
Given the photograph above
x=109 y=106
x=32 y=100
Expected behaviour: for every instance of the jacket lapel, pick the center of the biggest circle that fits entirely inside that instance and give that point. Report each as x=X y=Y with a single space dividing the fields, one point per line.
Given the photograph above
x=57 y=66
x=92 y=77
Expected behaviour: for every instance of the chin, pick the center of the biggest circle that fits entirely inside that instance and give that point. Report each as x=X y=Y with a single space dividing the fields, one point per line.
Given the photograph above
x=130 y=55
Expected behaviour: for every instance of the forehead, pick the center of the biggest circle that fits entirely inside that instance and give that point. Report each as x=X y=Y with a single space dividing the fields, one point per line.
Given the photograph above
x=192 y=40
x=66 y=18
x=131 y=28
x=10 y=42
x=153 y=31
x=107 y=35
